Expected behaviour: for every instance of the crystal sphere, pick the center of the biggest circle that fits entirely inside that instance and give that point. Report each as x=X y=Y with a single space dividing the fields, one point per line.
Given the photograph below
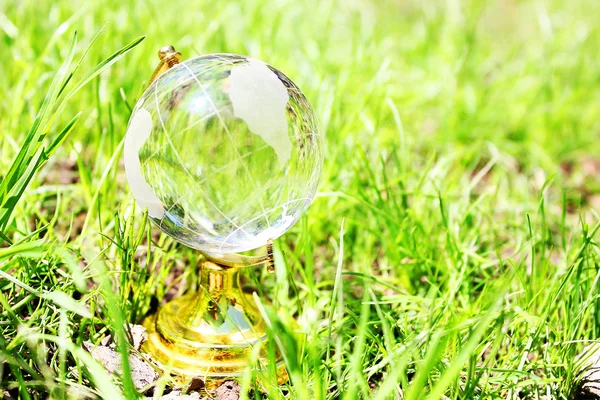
x=225 y=153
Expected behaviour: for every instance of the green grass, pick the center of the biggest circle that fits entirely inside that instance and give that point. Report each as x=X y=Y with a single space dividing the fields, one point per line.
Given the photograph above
x=451 y=249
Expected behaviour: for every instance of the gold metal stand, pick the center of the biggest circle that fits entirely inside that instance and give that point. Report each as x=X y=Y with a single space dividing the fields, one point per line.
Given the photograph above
x=210 y=334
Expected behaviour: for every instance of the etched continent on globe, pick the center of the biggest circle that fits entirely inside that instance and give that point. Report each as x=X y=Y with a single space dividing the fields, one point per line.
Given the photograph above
x=224 y=152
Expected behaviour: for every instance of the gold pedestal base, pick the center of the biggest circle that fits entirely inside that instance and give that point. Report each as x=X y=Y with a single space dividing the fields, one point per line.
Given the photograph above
x=211 y=335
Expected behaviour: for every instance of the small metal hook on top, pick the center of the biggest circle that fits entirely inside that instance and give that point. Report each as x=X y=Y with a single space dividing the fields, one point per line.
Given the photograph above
x=168 y=58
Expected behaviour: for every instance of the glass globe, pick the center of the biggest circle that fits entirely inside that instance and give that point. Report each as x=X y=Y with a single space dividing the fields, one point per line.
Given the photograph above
x=225 y=153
